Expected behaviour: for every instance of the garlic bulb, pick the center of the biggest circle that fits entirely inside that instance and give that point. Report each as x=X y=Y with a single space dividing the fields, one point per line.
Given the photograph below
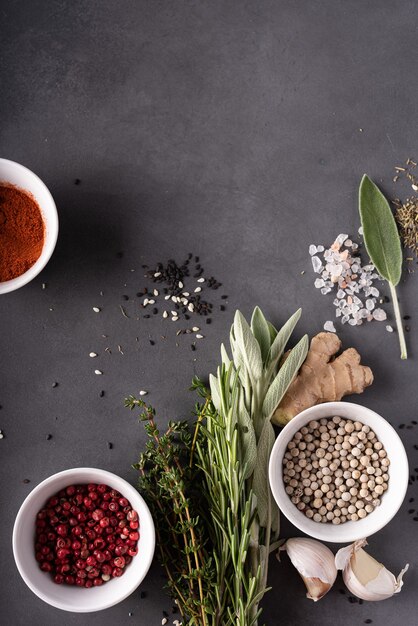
x=365 y=577
x=315 y=563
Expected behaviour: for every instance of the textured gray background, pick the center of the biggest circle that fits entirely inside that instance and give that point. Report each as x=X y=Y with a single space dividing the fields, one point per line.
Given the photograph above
x=228 y=128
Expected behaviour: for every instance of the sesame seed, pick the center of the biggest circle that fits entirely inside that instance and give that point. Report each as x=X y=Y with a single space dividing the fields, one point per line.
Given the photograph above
x=191 y=307
x=181 y=285
x=201 y=280
x=198 y=289
x=143 y=393
x=92 y=355
x=155 y=292
x=98 y=372
x=157 y=274
x=165 y=314
x=186 y=294
x=96 y=309
x=195 y=329
x=199 y=336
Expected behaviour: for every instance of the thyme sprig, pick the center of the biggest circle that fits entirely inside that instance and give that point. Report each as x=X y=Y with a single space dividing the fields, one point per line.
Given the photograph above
x=170 y=484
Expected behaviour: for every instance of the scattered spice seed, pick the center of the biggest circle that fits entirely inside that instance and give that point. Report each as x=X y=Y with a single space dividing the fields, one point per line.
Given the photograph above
x=1 y=434
x=193 y=347
x=406 y=215
x=54 y=385
x=110 y=445
x=125 y=297
x=101 y=394
x=152 y=343
x=49 y=437
x=77 y=181
x=123 y=311
x=26 y=481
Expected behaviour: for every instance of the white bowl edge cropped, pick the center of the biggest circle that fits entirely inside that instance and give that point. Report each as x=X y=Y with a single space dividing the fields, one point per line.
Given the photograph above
x=25 y=179
x=71 y=598
x=392 y=498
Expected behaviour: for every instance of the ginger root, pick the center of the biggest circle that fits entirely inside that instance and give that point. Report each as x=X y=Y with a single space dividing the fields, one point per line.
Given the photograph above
x=323 y=378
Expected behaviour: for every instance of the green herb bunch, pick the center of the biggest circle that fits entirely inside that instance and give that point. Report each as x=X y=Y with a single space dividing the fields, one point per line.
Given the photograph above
x=207 y=485
x=234 y=455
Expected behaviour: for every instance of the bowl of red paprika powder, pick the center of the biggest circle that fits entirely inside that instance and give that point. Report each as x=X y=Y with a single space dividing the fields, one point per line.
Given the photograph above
x=28 y=225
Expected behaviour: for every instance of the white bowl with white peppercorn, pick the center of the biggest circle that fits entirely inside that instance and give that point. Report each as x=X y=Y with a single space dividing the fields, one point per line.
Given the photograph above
x=338 y=496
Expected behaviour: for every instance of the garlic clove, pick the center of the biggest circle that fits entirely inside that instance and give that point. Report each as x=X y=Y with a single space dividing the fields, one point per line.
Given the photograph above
x=315 y=564
x=365 y=577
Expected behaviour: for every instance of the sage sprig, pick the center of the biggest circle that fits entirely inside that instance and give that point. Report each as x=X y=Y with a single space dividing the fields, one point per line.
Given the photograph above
x=382 y=243
x=245 y=392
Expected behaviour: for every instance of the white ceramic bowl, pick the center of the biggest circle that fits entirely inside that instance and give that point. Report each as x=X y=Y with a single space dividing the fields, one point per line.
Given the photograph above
x=79 y=599
x=392 y=498
x=16 y=174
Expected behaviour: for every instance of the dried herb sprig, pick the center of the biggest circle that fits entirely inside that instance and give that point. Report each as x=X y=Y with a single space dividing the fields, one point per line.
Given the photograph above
x=171 y=487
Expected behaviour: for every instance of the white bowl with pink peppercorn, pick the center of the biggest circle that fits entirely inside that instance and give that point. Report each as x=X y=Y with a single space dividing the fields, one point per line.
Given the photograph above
x=83 y=540
x=339 y=472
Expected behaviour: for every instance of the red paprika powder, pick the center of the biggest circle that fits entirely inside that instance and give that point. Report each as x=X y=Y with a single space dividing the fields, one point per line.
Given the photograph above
x=22 y=231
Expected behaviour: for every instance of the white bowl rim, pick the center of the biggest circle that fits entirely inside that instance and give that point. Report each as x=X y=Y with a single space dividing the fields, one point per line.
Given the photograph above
x=49 y=245
x=329 y=532
x=130 y=493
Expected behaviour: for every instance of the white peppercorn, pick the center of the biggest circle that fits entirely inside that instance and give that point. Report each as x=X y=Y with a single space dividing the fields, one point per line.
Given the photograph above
x=335 y=469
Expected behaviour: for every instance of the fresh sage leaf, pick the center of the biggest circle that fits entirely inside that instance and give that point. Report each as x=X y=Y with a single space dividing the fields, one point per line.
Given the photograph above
x=248 y=347
x=285 y=376
x=261 y=332
x=224 y=356
x=273 y=332
x=247 y=438
x=214 y=392
x=261 y=485
x=380 y=233
x=283 y=336
x=383 y=243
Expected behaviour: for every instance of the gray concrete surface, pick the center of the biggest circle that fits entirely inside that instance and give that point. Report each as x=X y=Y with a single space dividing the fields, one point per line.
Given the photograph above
x=236 y=130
